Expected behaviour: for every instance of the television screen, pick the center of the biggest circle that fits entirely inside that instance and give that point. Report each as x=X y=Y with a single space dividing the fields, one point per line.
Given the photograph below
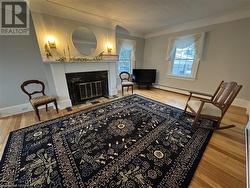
x=144 y=76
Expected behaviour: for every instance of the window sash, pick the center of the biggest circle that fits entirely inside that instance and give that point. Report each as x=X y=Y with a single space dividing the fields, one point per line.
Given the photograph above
x=125 y=60
x=193 y=70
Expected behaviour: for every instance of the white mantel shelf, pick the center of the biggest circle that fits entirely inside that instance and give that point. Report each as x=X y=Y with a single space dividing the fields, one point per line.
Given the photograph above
x=106 y=58
x=60 y=69
x=82 y=62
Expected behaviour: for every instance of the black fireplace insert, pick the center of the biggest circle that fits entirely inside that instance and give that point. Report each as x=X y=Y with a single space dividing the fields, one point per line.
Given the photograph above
x=87 y=85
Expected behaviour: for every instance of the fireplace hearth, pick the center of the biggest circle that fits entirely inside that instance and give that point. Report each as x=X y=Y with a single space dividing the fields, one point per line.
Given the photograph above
x=83 y=86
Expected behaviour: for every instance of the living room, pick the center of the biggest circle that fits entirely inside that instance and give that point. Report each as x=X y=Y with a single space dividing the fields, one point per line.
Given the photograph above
x=124 y=93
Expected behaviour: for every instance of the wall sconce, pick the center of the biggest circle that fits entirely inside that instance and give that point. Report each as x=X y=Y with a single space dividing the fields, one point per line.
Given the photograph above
x=51 y=42
x=109 y=47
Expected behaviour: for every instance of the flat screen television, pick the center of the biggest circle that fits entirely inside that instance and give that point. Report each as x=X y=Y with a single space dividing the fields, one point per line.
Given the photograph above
x=144 y=76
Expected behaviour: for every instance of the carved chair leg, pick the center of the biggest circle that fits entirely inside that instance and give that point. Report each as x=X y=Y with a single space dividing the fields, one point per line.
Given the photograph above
x=37 y=113
x=122 y=91
x=132 y=89
x=46 y=107
x=127 y=88
x=56 y=106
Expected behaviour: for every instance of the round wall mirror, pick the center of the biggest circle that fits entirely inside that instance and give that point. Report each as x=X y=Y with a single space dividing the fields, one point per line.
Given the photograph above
x=84 y=40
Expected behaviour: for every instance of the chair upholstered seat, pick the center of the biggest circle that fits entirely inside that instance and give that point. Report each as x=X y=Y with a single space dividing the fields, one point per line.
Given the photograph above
x=127 y=83
x=208 y=108
x=42 y=100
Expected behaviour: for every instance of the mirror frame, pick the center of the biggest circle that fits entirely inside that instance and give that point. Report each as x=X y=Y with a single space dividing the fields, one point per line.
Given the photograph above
x=72 y=39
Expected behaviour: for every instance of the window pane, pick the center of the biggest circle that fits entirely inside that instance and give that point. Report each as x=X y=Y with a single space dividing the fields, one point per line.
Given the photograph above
x=183 y=62
x=125 y=60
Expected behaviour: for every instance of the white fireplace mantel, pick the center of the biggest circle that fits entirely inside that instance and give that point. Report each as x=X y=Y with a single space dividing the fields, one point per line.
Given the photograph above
x=60 y=69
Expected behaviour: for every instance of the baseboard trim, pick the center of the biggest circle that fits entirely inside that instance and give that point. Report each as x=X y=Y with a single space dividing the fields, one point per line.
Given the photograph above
x=64 y=103
x=26 y=107
x=13 y=110
x=237 y=102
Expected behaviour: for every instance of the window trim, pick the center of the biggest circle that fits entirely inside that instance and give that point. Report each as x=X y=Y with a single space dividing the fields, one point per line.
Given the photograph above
x=132 y=43
x=196 y=61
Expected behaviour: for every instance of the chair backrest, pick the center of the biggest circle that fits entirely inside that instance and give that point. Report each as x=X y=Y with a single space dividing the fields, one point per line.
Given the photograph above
x=225 y=95
x=28 y=82
x=124 y=76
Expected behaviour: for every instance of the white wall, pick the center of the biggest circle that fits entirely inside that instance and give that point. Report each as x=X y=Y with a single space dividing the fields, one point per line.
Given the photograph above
x=226 y=57
x=62 y=29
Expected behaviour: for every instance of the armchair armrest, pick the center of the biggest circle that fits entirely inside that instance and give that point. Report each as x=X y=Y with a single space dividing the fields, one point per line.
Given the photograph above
x=206 y=101
x=203 y=100
x=200 y=93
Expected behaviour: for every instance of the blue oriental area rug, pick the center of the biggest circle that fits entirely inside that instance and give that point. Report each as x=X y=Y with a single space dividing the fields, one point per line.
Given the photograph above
x=130 y=142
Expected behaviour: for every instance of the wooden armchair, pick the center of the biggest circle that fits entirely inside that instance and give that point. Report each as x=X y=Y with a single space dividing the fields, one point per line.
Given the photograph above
x=39 y=100
x=126 y=81
x=215 y=106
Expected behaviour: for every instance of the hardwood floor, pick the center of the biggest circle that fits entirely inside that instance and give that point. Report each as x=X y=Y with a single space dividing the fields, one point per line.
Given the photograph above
x=223 y=162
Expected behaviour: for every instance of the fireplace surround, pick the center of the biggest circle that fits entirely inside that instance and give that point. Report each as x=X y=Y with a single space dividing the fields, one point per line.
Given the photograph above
x=59 y=82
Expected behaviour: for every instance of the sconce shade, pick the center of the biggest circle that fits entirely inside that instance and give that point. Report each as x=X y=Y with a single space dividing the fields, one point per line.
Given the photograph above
x=51 y=42
x=109 y=47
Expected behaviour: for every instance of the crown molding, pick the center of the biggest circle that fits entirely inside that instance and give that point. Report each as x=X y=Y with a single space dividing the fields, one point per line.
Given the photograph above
x=235 y=15
x=79 y=16
x=112 y=21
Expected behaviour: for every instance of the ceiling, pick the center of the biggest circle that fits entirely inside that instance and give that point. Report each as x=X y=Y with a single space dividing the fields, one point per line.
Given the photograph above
x=141 y=16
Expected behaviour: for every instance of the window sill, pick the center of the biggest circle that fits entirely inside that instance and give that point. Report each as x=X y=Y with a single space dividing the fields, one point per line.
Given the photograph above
x=181 y=77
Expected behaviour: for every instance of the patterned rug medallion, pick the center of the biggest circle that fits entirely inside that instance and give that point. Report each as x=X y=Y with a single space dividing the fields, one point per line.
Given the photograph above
x=130 y=142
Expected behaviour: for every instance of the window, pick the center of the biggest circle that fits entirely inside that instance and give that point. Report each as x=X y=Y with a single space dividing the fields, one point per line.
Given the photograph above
x=126 y=50
x=125 y=60
x=184 y=55
x=183 y=61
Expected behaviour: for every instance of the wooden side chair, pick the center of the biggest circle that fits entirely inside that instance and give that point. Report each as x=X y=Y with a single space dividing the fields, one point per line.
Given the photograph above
x=39 y=100
x=126 y=81
x=214 y=106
